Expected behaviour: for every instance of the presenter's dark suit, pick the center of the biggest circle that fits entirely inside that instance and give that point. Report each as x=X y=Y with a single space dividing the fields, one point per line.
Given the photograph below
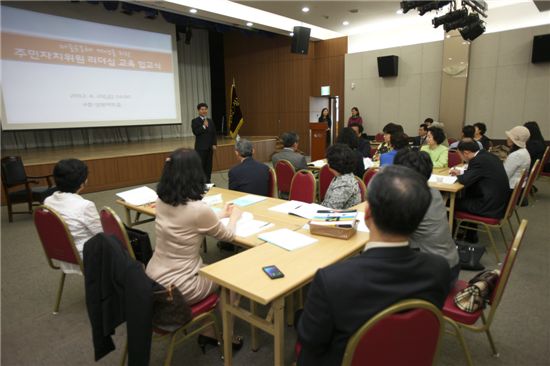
x=344 y=296
x=205 y=138
x=250 y=176
x=486 y=184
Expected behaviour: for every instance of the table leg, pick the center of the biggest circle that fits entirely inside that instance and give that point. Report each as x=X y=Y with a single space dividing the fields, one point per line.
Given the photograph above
x=451 y=210
x=128 y=216
x=290 y=310
x=227 y=328
x=253 y=329
x=279 y=331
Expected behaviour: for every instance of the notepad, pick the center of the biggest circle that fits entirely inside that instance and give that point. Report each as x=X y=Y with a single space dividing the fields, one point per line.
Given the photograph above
x=139 y=196
x=287 y=239
x=248 y=200
x=247 y=226
x=213 y=199
x=318 y=163
x=297 y=208
x=368 y=163
x=445 y=179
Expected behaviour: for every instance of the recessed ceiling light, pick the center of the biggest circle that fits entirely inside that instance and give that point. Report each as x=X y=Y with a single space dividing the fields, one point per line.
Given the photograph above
x=249 y=24
x=305 y=9
x=193 y=11
x=291 y=34
x=345 y=22
x=399 y=11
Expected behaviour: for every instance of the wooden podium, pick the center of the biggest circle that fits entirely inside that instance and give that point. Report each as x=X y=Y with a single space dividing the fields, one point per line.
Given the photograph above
x=318 y=140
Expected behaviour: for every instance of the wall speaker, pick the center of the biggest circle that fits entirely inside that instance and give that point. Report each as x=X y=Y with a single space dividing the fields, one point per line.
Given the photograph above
x=387 y=65
x=300 y=40
x=541 y=49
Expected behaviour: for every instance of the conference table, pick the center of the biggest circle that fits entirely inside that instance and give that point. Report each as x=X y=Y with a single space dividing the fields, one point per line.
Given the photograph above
x=242 y=273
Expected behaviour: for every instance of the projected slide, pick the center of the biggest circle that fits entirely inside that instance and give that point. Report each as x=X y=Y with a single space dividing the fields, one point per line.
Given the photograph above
x=61 y=72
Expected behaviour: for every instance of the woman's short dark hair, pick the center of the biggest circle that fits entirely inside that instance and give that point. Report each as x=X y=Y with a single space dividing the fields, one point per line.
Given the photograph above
x=419 y=161
x=69 y=174
x=468 y=131
x=398 y=198
x=437 y=134
x=341 y=158
x=200 y=105
x=182 y=178
x=359 y=128
x=481 y=127
x=399 y=140
x=348 y=137
x=534 y=131
x=391 y=128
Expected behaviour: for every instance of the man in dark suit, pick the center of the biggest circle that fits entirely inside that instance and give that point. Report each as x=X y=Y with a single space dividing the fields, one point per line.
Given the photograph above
x=485 y=181
x=249 y=176
x=205 y=138
x=422 y=135
x=344 y=296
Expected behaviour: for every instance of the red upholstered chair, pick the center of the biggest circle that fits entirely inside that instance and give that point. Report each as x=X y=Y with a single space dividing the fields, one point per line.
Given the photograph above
x=454 y=158
x=58 y=243
x=462 y=320
x=303 y=187
x=367 y=176
x=285 y=172
x=112 y=225
x=528 y=186
x=488 y=222
x=451 y=140
x=379 y=137
x=325 y=177
x=406 y=333
x=272 y=183
x=18 y=186
x=362 y=189
x=203 y=316
x=373 y=151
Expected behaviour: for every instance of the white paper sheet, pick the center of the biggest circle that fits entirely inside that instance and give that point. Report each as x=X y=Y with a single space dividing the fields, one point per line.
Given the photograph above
x=368 y=163
x=361 y=226
x=287 y=239
x=213 y=199
x=297 y=208
x=445 y=179
x=318 y=163
x=247 y=200
x=139 y=196
x=247 y=226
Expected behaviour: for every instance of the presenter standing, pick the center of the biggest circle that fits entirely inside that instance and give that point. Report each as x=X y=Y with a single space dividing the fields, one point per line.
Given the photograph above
x=205 y=138
x=326 y=119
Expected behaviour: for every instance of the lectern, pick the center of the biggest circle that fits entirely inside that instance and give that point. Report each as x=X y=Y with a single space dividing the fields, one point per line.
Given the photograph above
x=318 y=137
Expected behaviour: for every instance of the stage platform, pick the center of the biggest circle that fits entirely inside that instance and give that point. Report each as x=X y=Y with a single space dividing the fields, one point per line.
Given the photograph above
x=127 y=164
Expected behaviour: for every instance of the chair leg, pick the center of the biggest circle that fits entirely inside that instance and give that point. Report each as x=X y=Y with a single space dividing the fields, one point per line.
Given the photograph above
x=504 y=237
x=511 y=227
x=462 y=342
x=492 y=243
x=458 y=222
x=517 y=216
x=10 y=212
x=490 y=337
x=170 y=350
x=124 y=354
x=59 y=293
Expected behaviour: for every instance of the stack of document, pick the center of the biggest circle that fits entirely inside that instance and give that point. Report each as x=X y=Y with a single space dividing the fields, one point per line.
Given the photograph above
x=297 y=208
x=247 y=226
x=139 y=196
x=445 y=179
x=287 y=239
x=335 y=218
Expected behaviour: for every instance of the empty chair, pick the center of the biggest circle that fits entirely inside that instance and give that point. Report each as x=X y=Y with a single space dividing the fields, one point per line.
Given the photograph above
x=407 y=333
x=112 y=225
x=18 y=186
x=272 y=183
x=325 y=177
x=454 y=158
x=57 y=242
x=462 y=320
x=362 y=189
x=367 y=176
x=285 y=172
x=303 y=187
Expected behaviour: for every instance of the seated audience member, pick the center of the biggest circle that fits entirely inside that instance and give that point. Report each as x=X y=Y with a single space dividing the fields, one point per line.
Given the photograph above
x=518 y=159
x=290 y=143
x=428 y=122
x=80 y=215
x=480 y=130
x=468 y=131
x=363 y=144
x=398 y=141
x=345 y=295
x=433 y=234
x=422 y=135
x=343 y=192
x=182 y=221
x=535 y=145
x=438 y=152
x=385 y=146
x=486 y=189
x=249 y=175
x=441 y=125
x=347 y=137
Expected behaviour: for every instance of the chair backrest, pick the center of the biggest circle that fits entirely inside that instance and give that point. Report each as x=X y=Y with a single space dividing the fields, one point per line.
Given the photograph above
x=13 y=171
x=379 y=137
x=544 y=161
x=373 y=151
x=272 y=183
x=285 y=172
x=325 y=178
x=362 y=188
x=454 y=158
x=451 y=140
x=112 y=225
x=303 y=187
x=56 y=239
x=367 y=176
x=406 y=333
x=530 y=181
x=514 y=197
x=506 y=270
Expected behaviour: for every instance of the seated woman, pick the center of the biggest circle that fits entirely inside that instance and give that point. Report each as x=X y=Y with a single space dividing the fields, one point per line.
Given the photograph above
x=181 y=224
x=480 y=130
x=385 y=146
x=348 y=137
x=398 y=141
x=343 y=192
x=519 y=159
x=80 y=215
x=438 y=152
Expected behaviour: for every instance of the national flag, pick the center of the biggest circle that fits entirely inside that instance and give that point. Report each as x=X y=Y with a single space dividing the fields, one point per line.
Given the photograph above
x=235 y=115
